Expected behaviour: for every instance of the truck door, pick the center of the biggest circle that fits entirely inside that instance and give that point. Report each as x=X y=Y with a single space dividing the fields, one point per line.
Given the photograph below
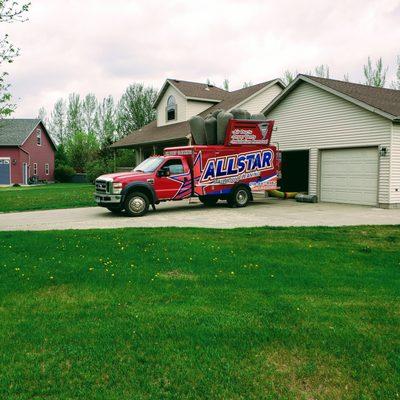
x=173 y=180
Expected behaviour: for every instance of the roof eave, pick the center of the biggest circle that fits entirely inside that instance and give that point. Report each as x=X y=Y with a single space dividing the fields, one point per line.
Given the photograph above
x=163 y=90
x=148 y=143
x=303 y=78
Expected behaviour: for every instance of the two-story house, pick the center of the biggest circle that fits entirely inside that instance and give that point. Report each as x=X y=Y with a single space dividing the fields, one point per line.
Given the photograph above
x=179 y=100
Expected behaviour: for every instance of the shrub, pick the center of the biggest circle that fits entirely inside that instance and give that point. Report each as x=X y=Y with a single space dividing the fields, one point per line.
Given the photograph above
x=96 y=168
x=63 y=173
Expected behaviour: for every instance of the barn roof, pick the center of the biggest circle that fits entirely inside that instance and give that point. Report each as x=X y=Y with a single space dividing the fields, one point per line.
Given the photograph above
x=14 y=131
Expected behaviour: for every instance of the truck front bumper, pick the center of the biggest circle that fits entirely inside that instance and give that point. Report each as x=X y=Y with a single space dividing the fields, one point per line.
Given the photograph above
x=103 y=199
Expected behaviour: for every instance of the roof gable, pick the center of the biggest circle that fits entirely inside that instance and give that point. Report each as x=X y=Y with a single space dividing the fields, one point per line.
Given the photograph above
x=193 y=90
x=385 y=102
x=13 y=132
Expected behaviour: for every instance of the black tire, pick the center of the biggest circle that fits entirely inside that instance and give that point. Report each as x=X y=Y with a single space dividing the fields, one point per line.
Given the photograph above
x=209 y=201
x=136 y=204
x=239 y=197
x=114 y=209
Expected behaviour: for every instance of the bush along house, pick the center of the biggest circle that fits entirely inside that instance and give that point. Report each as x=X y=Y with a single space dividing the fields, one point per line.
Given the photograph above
x=179 y=100
x=27 y=152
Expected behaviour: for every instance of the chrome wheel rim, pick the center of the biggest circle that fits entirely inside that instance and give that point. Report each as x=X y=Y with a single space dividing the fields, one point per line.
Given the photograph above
x=137 y=204
x=241 y=197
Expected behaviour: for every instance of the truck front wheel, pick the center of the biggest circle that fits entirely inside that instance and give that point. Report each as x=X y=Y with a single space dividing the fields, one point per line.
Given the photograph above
x=136 y=204
x=239 y=197
x=209 y=201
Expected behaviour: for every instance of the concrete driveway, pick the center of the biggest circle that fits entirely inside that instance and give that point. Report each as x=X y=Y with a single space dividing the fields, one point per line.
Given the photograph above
x=262 y=212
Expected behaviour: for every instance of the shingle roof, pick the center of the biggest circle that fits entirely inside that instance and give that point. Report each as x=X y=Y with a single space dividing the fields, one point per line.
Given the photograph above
x=236 y=97
x=199 y=90
x=13 y=132
x=387 y=100
x=153 y=134
x=195 y=90
x=150 y=133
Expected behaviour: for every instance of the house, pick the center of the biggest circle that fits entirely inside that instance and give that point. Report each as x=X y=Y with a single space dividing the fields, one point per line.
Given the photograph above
x=340 y=140
x=26 y=150
x=179 y=100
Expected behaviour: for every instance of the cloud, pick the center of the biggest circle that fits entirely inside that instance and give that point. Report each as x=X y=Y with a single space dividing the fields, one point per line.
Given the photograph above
x=101 y=46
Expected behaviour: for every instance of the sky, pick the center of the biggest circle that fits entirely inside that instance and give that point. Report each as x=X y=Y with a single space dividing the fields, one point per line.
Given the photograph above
x=102 y=46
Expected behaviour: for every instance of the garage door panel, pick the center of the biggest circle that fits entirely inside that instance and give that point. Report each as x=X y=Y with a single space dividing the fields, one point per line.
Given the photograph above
x=350 y=176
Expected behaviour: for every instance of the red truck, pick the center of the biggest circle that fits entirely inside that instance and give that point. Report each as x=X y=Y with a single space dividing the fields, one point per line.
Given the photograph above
x=245 y=163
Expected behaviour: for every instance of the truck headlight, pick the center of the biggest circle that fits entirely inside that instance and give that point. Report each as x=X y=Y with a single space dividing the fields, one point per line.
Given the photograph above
x=117 y=187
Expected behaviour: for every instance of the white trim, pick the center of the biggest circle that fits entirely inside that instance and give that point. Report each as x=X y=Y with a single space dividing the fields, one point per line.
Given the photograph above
x=204 y=100
x=25 y=173
x=359 y=103
x=259 y=92
x=9 y=159
x=47 y=169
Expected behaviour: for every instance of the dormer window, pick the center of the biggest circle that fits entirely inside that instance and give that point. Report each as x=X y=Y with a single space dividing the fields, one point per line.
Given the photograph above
x=39 y=137
x=171 y=108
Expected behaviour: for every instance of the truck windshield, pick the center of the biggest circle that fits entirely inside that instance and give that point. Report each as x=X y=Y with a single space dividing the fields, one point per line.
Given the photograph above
x=149 y=165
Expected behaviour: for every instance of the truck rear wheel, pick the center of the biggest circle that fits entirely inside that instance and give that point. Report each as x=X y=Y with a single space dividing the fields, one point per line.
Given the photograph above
x=209 y=201
x=239 y=197
x=136 y=204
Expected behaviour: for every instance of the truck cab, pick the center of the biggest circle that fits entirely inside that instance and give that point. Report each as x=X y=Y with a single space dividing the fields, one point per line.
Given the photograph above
x=156 y=179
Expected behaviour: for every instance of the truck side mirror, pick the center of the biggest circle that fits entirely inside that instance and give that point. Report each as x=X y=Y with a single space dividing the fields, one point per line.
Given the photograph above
x=164 y=172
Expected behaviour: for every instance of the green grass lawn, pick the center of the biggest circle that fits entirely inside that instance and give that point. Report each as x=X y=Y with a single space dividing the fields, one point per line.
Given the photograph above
x=45 y=197
x=284 y=313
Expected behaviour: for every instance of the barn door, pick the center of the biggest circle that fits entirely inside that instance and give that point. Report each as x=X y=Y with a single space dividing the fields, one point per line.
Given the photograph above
x=5 y=171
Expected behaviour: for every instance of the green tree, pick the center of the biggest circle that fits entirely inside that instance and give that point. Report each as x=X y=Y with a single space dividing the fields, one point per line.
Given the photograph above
x=322 y=71
x=225 y=84
x=74 y=115
x=289 y=76
x=89 y=107
x=106 y=127
x=135 y=109
x=10 y=11
x=81 y=148
x=346 y=77
x=396 y=83
x=375 y=75
x=58 y=121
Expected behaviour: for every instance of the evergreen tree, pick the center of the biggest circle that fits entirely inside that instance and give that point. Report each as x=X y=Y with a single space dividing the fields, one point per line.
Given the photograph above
x=396 y=83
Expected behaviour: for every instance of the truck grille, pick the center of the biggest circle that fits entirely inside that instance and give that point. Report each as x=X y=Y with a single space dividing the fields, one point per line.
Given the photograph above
x=102 y=186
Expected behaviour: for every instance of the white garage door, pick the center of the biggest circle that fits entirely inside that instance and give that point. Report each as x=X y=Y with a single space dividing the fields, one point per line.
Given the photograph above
x=350 y=176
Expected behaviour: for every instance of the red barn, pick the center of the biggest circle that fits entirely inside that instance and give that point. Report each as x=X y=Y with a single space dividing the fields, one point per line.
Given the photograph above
x=26 y=150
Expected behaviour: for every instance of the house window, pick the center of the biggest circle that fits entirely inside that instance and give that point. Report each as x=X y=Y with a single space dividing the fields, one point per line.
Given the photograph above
x=34 y=169
x=171 y=108
x=46 y=169
x=39 y=137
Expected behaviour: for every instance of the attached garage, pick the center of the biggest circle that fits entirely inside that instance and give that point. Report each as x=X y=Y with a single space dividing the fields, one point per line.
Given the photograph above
x=350 y=134
x=350 y=176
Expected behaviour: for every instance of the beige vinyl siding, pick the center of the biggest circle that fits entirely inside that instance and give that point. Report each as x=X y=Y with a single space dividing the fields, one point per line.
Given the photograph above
x=261 y=100
x=196 y=107
x=311 y=118
x=181 y=107
x=395 y=165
